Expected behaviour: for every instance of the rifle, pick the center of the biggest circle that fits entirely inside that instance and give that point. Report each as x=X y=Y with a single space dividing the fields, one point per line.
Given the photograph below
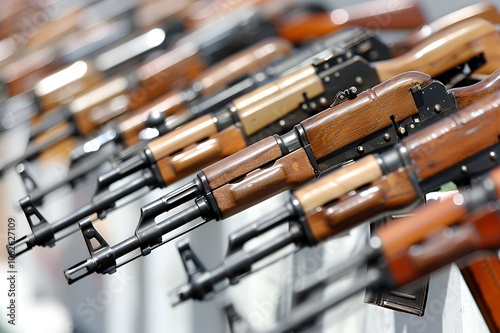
x=355 y=41
x=170 y=104
x=176 y=67
x=317 y=215
x=445 y=232
x=240 y=180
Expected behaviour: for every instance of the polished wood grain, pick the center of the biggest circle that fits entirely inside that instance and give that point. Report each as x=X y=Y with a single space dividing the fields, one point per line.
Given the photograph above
x=197 y=156
x=483 y=10
x=242 y=162
x=368 y=113
x=388 y=194
x=286 y=173
x=465 y=96
x=448 y=49
x=173 y=69
x=197 y=130
x=267 y=104
x=334 y=185
x=249 y=60
x=370 y=15
x=456 y=137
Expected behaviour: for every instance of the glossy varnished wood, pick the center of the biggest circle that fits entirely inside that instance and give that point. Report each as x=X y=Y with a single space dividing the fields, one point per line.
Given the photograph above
x=172 y=69
x=391 y=192
x=456 y=137
x=197 y=156
x=242 y=162
x=465 y=96
x=333 y=185
x=448 y=49
x=247 y=61
x=368 y=113
x=482 y=10
x=286 y=173
x=482 y=277
x=197 y=130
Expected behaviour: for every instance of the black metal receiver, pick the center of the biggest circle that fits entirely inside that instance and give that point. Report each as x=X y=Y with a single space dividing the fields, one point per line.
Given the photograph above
x=352 y=71
x=149 y=234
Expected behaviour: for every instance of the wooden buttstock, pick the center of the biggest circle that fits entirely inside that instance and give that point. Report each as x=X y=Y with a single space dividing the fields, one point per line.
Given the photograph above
x=368 y=113
x=197 y=130
x=246 y=61
x=448 y=49
x=242 y=162
x=482 y=10
x=465 y=96
x=482 y=278
x=391 y=192
x=286 y=173
x=456 y=137
x=370 y=15
x=336 y=184
x=173 y=69
x=196 y=157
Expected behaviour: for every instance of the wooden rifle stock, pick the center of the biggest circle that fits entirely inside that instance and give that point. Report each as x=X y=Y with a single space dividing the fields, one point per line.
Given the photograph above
x=371 y=15
x=390 y=193
x=481 y=10
x=448 y=49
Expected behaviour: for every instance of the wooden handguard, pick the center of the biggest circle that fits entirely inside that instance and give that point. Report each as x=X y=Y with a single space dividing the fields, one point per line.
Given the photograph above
x=370 y=15
x=247 y=61
x=286 y=173
x=174 y=69
x=334 y=185
x=448 y=49
x=269 y=103
x=465 y=96
x=368 y=113
x=455 y=138
x=482 y=278
x=239 y=164
x=477 y=231
x=482 y=10
x=195 y=157
x=197 y=130
x=391 y=192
